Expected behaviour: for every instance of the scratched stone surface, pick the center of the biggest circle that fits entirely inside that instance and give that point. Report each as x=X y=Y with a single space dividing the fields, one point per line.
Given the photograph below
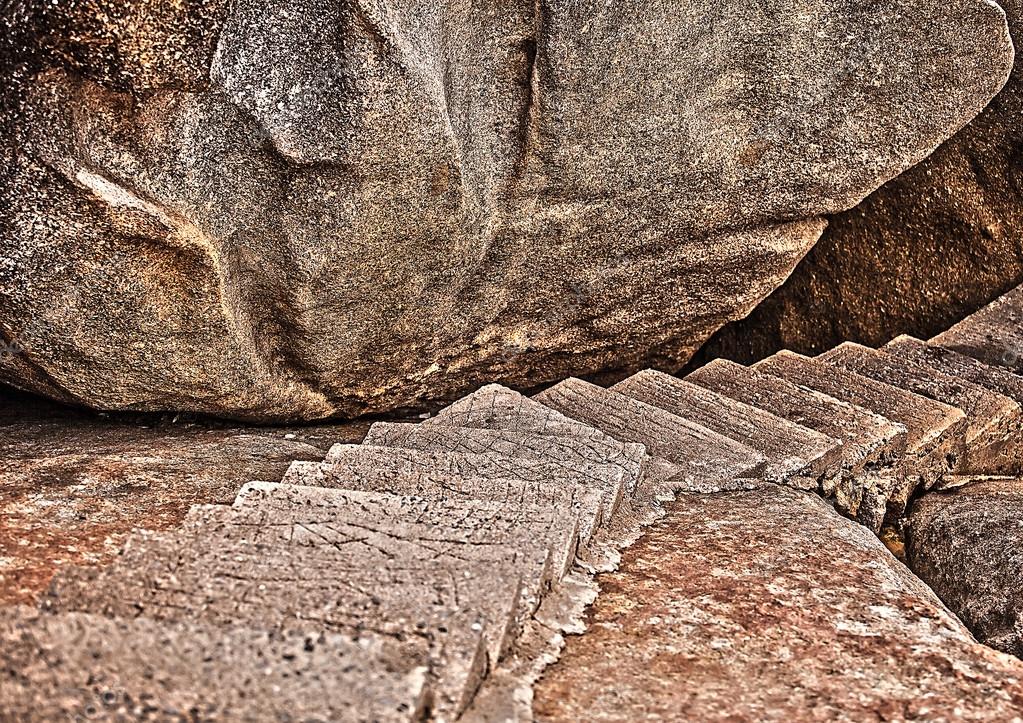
x=74 y=483
x=289 y=210
x=767 y=605
x=78 y=666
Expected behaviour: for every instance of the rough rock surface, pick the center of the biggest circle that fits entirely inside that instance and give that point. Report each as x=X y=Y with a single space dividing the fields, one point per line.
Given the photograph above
x=73 y=484
x=277 y=210
x=769 y=606
x=967 y=544
x=922 y=252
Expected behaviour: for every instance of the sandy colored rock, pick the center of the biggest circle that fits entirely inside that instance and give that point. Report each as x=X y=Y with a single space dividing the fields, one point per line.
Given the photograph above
x=289 y=210
x=967 y=544
x=769 y=606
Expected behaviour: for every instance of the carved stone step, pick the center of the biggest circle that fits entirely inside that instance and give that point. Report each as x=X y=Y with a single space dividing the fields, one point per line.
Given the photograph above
x=586 y=504
x=935 y=432
x=993 y=335
x=452 y=616
x=795 y=454
x=869 y=440
x=404 y=528
x=946 y=361
x=364 y=457
x=498 y=407
x=86 y=667
x=629 y=458
x=994 y=422
x=706 y=460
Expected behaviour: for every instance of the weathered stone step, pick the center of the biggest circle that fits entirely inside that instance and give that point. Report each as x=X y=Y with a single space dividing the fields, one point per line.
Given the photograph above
x=586 y=504
x=934 y=431
x=795 y=454
x=993 y=335
x=497 y=407
x=78 y=666
x=869 y=440
x=629 y=458
x=946 y=361
x=406 y=528
x=967 y=545
x=772 y=586
x=994 y=422
x=453 y=616
x=364 y=457
x=705 y=459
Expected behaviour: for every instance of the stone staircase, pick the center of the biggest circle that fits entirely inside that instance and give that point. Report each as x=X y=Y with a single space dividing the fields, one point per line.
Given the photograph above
x=432 y=571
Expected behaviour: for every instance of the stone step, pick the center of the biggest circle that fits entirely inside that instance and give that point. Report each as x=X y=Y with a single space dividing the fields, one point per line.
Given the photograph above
x=452 y=616
x=946 y=361
x=498 y=407
x=408 y=529
x=78 y=666
x=869 y=441
x=705 y=459
x=346 y=560
x=628 y=458
x=967 y=545
x=934 y=431
x=586 y=504
x=795 y=454
x=993 y=335
x=994 y=421
x=350 y=458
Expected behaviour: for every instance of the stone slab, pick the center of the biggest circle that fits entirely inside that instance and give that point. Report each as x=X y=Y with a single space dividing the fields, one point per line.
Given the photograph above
x=795 y=454
x=769 y=606
x=869 y=441
x=993 y=335
x=996 y=378
x=496 y=532
x=967 y=545
x=994 y=422
x=585 y=504
x=935 y=432
x=78 y=666
x=610 y=466
x=451 y=618
x=705 y=459
x=350 y=457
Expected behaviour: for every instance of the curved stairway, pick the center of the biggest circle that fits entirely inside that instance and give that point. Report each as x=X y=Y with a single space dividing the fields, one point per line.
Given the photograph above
x=430 y=571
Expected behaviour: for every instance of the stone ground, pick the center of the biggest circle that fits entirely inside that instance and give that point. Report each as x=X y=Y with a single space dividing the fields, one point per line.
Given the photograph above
x=74 y=483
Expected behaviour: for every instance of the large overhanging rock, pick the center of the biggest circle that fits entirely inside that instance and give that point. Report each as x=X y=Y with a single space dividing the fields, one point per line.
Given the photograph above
x=291 y=210
x=919 y=254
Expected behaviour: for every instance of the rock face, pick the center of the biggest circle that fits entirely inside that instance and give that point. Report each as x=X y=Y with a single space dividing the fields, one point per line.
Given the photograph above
x=275 y=210
x=967 y=544
x=766 y=605
x=925 y=250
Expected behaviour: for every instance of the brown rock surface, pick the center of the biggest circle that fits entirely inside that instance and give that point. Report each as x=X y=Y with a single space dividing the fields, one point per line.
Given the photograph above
x=967 y=544
x=922 y=252
x=769 y=606
x=73 y=484
x=281 y=210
